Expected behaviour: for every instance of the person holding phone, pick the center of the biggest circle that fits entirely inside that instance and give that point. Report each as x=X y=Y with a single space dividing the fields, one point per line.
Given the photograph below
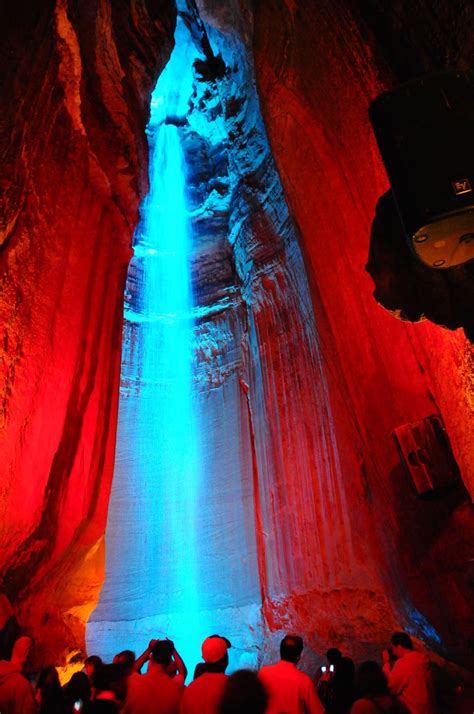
x=336 y=686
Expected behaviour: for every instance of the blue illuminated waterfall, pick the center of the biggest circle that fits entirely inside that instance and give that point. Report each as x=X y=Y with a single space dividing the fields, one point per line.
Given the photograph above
x=151 y=587
x=224 y=415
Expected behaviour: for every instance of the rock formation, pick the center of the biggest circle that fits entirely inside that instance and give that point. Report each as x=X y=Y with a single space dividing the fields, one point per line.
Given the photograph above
x=75 y=101
x=319 y=65
x=302 y=377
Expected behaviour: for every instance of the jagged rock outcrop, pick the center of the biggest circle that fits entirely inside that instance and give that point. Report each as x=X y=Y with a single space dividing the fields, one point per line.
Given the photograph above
x=75 y=100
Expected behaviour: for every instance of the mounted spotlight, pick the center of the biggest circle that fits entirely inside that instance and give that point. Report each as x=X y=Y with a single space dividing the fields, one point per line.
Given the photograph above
x=425 y=133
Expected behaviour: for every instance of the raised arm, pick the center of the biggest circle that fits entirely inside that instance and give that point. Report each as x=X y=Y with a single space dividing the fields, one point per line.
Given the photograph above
x=140 y=661
x=182 y=669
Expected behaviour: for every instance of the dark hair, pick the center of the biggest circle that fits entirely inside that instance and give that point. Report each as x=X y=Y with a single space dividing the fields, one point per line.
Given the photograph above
x=370 y=680
x=344 y=671
x=125 y=657
x=111 y=678
x=48 y=677
x=243 y=692
x=401 y=639
x=51 y=692
x=333 y=655
x=125 y=660
x=94 y=660
x=78 y=687
x=291 y=648
x=215 y=667
x=162 y=652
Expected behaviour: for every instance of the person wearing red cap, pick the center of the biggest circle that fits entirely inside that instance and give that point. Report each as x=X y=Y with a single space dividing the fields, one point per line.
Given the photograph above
x=203 y=695
x=290 y=690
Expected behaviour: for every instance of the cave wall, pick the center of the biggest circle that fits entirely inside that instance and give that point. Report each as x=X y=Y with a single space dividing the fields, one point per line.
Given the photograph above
x=76 y=83
x=318 y=66
x=316 y=379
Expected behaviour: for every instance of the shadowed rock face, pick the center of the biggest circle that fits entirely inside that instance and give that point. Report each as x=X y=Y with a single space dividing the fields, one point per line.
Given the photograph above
x=76 y=85
x=306 y=385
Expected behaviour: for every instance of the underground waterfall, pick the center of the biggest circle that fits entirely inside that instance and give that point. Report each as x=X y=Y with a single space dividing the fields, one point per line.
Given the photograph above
x=198 y=540
x=152 y=563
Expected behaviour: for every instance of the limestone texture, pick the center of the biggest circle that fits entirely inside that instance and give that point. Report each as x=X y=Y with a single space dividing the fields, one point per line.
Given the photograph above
x=302 y=377
x=318 y=67
x=75 y=101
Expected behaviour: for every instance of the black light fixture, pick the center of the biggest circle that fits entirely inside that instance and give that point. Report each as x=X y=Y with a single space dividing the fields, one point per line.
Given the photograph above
x=425 y=133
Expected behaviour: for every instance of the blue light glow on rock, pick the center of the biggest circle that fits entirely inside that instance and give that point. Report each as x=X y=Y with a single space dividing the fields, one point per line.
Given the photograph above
x=151 y=587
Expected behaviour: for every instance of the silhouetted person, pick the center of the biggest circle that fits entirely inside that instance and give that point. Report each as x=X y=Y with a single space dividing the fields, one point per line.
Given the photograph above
x=333 y=656
x=110 y=683
x=244 y=693
x=373 y=694
x=77 y=693
x=290 y=690
x=91 y=665
x=336 y=689
x=48 y=693
x=410 y=677
x=204 y=694
x=125 y=660
x=155 y=692
x=16 y=693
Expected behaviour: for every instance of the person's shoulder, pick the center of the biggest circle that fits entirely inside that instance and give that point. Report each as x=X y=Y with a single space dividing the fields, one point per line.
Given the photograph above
x=193 y=686
x=420 y=657
x=412 y=659
x=362 y=706
x=303 y=676
x=268 y=669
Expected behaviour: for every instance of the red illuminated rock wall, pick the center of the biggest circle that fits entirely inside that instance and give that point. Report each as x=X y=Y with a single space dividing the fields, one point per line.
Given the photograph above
x=77 y=78
x=318 y=66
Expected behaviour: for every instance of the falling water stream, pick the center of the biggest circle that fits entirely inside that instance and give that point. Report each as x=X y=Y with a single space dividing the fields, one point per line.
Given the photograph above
x=204 y=453
x=151 y=587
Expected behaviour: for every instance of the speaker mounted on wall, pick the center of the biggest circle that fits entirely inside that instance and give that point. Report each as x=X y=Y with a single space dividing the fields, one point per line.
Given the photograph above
x=426 y=451
x=425 y=133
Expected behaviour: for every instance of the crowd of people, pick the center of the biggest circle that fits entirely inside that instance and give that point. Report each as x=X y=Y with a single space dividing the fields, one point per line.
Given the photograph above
x=401 y=684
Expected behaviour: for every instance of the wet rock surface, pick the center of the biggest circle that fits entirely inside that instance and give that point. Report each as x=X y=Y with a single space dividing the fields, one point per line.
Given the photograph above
x=76 y=84
x=300 y=372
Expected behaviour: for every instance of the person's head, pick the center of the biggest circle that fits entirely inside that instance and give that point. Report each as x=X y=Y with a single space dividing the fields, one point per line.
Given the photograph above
x=243 y=692
x=370 y=680
x=162 y=653
x=344 y=672
x=333 y=655
x=214 y=653
x=92 y=664
x=48 y=678
x=110 y=682
x=48 y=687
x=126 y=660
x=401 y=643
x=291 y=648
x=78 y=687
